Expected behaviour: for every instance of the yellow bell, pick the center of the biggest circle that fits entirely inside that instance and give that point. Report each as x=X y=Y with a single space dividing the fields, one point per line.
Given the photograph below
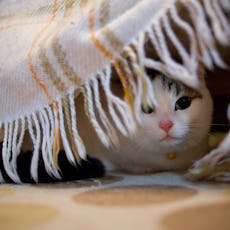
x=171 y=156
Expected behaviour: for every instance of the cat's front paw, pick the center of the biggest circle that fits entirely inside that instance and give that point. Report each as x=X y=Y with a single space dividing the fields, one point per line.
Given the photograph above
x=215 y=166
x=215 y=157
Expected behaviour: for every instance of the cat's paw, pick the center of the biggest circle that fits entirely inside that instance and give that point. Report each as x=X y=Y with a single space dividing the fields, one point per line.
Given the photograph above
x=215 y=157
x=215 y=166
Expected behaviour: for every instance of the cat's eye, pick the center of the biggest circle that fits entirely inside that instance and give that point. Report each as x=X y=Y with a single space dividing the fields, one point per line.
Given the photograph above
x=183 y=103
x=147 y=109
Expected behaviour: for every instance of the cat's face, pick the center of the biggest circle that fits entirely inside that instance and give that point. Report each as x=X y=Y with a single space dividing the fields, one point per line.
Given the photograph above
x=181 y=119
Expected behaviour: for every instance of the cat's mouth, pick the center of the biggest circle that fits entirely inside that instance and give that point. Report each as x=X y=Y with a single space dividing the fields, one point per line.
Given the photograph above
x=169 y=138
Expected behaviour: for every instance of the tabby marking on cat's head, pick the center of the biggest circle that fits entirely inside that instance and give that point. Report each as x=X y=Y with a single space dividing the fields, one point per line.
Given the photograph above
x=181 y=118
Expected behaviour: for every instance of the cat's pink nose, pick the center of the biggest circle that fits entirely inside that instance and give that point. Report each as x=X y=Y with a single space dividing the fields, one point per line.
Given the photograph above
x=166 y=125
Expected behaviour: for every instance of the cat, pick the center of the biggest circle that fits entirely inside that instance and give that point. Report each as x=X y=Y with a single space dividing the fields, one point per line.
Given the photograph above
x=170 y=136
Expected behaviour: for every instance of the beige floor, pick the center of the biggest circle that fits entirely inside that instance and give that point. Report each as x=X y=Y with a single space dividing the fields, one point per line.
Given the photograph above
x=163 y=201
x=117 y=201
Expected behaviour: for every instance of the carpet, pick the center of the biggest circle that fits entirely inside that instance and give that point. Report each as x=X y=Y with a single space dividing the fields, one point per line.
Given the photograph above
x=161 y=201
x=117 y=201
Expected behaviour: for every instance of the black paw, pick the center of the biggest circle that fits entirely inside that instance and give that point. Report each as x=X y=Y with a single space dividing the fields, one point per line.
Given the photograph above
x=90 y=168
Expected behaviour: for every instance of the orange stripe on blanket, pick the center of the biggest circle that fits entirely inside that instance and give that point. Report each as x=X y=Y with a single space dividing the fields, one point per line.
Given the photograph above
x=109 y=55
x=56 y=146
x=30 y=53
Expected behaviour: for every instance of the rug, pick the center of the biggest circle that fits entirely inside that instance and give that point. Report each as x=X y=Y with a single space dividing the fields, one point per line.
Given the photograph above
x=117 y=201
x=161 y=201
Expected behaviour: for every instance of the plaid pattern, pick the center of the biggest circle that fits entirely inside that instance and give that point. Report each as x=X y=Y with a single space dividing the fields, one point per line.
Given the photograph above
x=52 y=46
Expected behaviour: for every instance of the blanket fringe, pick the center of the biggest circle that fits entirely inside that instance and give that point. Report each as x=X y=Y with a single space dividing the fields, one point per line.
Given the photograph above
x=158 y=47
x=139 y=83
x=118 y=109
x=200 y=47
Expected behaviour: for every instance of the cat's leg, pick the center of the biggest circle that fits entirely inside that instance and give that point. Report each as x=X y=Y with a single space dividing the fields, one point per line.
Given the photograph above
x=216 y=164
x=221 y=153
x=89 y=168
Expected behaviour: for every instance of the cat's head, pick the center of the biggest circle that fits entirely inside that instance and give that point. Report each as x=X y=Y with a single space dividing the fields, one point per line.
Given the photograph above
x=180 y=120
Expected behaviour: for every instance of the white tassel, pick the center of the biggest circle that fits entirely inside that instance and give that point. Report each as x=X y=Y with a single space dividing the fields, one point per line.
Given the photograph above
x=15 y=149
x=90 y=112
x=1 y=178
x=47 y=144
x=78 y=141
x=225 y=5
x=188 y=60
x=219 y=23
x=102 y=115
x=137 y=88
x=11 y=147
x=49 y=116
x=115 y=104
x=206 y=42
x=151 y=96
x=21 y=135
x=35 y=134
x=169 y=67
x=65 y=142
x=174 y=69
x=145 y=89
x=7 y=154
x=186 y=29
x=18 y=136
